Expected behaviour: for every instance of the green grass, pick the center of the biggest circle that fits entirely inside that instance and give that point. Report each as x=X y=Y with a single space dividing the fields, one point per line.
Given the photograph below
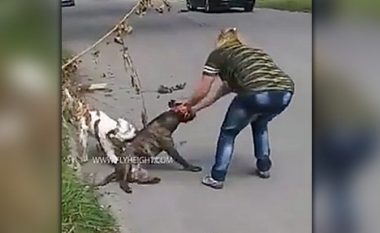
x=81 y=212
x=29 y=27
x=365 y=9
x=80 y=209
x=289 y=5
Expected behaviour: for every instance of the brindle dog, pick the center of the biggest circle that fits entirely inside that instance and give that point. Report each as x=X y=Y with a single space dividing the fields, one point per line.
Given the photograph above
x=149 y=142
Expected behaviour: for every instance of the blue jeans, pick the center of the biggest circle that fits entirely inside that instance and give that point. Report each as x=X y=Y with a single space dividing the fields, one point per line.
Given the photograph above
x=339 y=155
x=257 y=109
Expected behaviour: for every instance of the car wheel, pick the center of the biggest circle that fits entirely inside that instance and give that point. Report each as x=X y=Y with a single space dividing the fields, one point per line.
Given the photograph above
x=189 y=6
x=208 y=7
x=67 y=3
x=249 y=6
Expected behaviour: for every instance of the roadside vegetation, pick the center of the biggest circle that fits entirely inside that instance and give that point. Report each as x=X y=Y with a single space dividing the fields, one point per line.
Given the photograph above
x=80 y=210
x=289 y=5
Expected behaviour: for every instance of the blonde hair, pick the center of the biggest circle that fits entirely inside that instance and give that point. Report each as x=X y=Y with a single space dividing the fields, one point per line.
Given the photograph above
x=228 y=36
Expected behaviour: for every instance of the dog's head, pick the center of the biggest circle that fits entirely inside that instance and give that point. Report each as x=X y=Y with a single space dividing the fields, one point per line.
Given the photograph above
x=183 y=116
x=123 y=133
x=124 y=130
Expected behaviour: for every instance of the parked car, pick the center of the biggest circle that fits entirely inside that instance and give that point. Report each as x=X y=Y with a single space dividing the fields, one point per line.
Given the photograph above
x=214 y=5
x=67 y=3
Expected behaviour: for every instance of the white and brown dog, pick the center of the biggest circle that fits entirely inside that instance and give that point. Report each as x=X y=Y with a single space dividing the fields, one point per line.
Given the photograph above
x=99 y=125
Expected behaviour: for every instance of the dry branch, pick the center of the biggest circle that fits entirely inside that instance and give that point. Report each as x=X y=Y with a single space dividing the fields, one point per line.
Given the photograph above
x=109 y=33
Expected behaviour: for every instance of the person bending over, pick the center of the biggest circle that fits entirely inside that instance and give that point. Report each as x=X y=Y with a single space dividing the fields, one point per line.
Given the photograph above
x=262 y=90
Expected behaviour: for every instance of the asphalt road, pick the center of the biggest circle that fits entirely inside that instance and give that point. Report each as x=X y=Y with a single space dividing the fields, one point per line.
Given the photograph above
x=170 y=49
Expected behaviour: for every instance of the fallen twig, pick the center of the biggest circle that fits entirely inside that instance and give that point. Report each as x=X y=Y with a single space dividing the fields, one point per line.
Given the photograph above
x=162 y=89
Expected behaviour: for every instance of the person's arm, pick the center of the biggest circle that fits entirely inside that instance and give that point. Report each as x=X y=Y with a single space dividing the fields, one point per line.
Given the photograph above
x=202 y=89
x=209 y=73
x=221 y=90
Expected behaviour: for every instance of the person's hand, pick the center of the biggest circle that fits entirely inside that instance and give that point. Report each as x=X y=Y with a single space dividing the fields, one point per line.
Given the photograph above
x=178 y=106
x=184 y=109
x=189 y=115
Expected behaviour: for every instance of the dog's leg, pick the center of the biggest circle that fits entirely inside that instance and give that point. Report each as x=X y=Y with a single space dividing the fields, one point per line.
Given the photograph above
x=83 y=139
x=123 y=183
x=111 y=155
x=150 y=180
x=172 y=152
x=99 y=145
x=99 y=149
x=109 y=151
x=110 y=178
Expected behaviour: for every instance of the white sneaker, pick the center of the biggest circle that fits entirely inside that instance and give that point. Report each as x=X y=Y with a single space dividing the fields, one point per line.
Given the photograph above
x=264 y=175
x=209 y=181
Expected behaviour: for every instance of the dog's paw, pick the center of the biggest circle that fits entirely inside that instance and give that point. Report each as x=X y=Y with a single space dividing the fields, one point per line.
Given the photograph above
x=154 y=180
x=125 y=187
x=193 y=168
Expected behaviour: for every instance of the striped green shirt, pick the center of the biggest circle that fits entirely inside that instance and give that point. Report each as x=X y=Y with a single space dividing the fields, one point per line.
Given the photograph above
x=247 y=69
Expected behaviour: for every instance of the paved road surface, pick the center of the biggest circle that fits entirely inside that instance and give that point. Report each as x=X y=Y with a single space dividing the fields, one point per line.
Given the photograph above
x=170 y=49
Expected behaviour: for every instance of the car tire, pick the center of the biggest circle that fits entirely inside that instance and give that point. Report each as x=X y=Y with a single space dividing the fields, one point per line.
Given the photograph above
x=208 y=8
x=67 y=3
x=249 y=6
x=190 y=6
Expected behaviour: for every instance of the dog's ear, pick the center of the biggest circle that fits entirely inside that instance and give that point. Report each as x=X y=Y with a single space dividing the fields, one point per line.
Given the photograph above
x=171 y=103
x=111 y=135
